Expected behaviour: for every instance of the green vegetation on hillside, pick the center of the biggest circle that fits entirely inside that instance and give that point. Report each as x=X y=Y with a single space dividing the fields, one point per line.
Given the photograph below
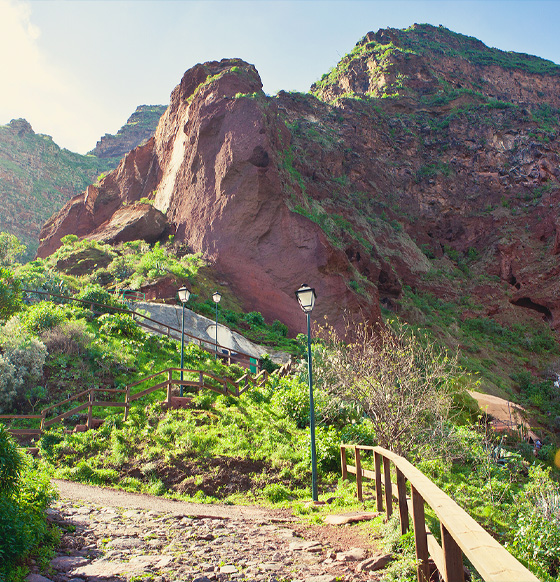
x=255 y=448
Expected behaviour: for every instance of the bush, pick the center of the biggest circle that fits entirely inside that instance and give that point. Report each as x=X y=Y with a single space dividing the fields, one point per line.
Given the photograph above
x=292 y=400
x=96 y=294
x=44 y=316
x=21 y=365
x=10 y=293
x=254 y=318
x=70 y=338
x=537 y=536
x=11 y=463
x=25 y=493
x=276 y=492
x=120 y=324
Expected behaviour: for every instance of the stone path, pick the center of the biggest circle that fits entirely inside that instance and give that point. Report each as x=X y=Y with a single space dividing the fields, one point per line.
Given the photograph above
x=110 y=544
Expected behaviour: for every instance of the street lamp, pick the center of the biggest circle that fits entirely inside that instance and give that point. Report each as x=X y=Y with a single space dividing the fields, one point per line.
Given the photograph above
x=306 y=297
x=216 y=297
x=184 y=295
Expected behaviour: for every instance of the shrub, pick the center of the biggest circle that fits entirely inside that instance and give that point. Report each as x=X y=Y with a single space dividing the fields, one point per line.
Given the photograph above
x=276 y=492
x=280 y=328
x=10 y=293
x=44 y=316
x=292 y=400
x=254 y=318
x=11 y=463
x=25 y=493
x=537 y=536
x=70 y=338
x=21 y=365
x=96 y=294
x=120 y=324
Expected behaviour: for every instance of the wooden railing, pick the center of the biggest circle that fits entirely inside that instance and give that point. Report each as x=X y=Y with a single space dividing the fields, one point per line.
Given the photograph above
x=461 y=535
x=204 y=380
x=225 y=354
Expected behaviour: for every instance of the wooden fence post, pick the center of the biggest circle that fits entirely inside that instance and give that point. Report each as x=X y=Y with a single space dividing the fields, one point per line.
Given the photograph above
x=169 y=385
x=343 y=462
x=378 y=492
x=90 y=410
x=403 y=506
x=452 y=556
x=420 y=536
x=358 y=473
x=388 y=487
x=126 y=402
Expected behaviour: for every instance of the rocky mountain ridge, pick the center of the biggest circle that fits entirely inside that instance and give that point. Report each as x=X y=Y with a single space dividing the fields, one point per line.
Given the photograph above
x=37 y=177
x=139 y=127
x=424 y=167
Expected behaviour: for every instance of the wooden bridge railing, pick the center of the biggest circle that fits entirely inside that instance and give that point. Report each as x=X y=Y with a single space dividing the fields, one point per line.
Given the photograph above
x=204 y=380
x=460 y=533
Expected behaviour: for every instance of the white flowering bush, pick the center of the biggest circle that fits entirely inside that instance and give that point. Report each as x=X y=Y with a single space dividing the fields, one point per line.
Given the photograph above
x=22 y=357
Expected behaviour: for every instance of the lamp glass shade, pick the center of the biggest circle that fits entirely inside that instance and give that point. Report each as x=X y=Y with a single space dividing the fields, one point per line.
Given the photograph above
x=184 y=294
x=306 y=297
x=216 y=297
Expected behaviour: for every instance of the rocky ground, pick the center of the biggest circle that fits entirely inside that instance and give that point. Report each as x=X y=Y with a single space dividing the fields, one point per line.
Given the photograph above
x=126 y=540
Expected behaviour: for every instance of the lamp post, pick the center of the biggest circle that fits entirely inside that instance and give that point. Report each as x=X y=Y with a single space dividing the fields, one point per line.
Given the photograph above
x=306 y=297
x=184 y=295
x=216 y=297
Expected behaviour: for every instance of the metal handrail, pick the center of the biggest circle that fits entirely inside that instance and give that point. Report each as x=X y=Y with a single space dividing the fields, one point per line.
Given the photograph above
x=228 y=355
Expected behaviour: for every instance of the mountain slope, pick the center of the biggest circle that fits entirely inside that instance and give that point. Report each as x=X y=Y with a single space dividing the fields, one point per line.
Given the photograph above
x=420 y=175
x=139 y=127
x=37 y=177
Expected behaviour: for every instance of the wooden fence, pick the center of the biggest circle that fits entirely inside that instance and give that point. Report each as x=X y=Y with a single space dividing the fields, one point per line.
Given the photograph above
x=461 y=535
x=225 y=354
x=204 y=380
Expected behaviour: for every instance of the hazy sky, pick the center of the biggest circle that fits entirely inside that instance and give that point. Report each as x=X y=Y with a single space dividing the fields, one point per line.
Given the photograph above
x=76 y=69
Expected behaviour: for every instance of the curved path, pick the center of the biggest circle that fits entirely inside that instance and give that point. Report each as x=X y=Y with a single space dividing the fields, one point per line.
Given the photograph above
x=108 y=497
x=115 y=536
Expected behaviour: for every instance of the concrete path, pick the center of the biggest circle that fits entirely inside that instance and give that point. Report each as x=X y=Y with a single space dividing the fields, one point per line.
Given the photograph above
x=202 y=327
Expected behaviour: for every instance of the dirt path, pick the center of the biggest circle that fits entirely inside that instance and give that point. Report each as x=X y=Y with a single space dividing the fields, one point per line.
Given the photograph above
x=115 y=498
x=115 y=536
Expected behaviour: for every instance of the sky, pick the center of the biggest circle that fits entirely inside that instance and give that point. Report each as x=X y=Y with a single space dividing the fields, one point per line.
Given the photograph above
x=77 y=69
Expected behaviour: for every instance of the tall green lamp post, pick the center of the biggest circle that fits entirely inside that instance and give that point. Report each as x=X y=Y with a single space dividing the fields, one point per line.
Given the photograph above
x=306 y=297
x=216 y=298
x=184 y=295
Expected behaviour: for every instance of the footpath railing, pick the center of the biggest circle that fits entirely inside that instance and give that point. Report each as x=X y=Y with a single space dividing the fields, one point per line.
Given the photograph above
x=204 y=380
x=461 y=535
x=225 y=354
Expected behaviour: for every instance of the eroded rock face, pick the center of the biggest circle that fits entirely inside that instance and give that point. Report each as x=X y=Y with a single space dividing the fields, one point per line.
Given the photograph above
x=352 y=194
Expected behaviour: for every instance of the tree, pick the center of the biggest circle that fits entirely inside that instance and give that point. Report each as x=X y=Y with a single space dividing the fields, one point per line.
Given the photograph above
x=10 y=248
x=10 y=293
x=397 y=379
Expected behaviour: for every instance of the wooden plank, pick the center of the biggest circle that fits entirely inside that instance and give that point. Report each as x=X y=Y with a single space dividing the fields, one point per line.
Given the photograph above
x=378 y=491
x=105 y=403
x=388 y=487
x=359 y=491
x=343 y=462
x=80 y=395
x=153 y=388
x=403 y=506
x=493 y=562
x=60 y=417
x=19 y=416
x=453 y=558
x=420 y=537
x=31 y=431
